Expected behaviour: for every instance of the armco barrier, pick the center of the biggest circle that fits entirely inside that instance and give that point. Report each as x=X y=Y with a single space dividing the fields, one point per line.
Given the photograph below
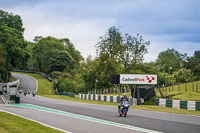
x=178 y=104
x=105 y=98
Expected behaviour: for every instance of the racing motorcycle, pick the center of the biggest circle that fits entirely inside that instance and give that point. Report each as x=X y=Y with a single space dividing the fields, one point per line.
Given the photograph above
x=124 y=108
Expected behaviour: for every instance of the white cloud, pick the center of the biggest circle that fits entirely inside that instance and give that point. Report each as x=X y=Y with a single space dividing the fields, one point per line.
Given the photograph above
x=84 y=21
x=84 y=34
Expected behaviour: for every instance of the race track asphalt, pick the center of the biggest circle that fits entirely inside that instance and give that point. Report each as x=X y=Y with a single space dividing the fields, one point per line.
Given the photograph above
x=157 y=121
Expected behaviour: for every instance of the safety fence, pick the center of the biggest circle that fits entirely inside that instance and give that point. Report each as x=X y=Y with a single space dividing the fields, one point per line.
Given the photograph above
x=178 y=104
x=106 y=98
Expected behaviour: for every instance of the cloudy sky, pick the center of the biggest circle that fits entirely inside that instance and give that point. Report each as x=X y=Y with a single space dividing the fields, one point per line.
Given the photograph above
x=166 y=23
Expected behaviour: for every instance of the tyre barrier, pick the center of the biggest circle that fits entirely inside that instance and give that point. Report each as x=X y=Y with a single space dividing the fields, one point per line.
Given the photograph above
x=178 y=104
x=105 y=98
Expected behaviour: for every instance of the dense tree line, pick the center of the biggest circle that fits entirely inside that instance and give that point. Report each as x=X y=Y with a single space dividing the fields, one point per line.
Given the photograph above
x=13 y=53
x=115 y=53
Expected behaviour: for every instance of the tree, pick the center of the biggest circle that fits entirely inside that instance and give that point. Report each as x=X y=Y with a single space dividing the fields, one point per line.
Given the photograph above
x=13 y=43
x=75 y=54
x=15 y=47
x=133 y=50
x=61 y=61
x=183 y=75
x=108 y=54
x=194 y=64
x=2 y=58
x=11 y=20
x=2 y=64
x=109 y=44
x=90 y=72
x=170 y=59
x=48 y=48
x=44 y=50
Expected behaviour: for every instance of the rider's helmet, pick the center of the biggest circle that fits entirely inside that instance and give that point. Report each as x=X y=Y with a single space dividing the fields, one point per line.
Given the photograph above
x=125 y=95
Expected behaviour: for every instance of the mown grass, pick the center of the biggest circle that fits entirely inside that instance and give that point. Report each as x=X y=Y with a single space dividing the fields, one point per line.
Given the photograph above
x=188 y=91
x=42 y=82
x=14 y=124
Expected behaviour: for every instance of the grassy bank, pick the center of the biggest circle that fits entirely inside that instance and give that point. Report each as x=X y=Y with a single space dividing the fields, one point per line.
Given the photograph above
x=187 y=91
x=188 y=96
x=12 y=124
x=45 y=89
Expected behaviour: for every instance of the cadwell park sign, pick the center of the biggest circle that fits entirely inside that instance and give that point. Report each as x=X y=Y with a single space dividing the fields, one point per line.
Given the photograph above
x=138 y=79
x=144 y=92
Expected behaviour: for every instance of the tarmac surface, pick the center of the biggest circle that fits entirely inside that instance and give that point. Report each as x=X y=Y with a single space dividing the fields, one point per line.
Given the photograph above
x=147 y=121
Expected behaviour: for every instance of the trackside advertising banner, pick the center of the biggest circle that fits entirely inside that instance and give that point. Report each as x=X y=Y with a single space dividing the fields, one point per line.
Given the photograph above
x=138 y=79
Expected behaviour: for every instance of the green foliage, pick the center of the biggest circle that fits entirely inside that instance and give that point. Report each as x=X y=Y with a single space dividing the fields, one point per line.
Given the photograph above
x=183 y=75
x=2 y=64
x=68 y=82
x=75 y=54
x=194 y=64
x=51 y=54
x=90 y=73
x=12 y=43
x=61 y=61
x=163 y=78
x=44 y=50
x=116 y=54
x=133 y=50
x=152 y=101
x=2 y=58
x=170 y=59
x=11 y=20
x=110 y=44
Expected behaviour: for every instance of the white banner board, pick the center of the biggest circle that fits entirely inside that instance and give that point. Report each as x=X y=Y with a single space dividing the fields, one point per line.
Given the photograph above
x=138 y=79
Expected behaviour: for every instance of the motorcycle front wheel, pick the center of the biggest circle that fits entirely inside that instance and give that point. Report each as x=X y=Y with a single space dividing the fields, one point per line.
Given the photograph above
x=125 y=113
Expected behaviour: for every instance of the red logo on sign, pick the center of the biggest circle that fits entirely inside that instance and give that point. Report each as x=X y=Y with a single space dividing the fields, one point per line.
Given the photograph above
x=150 y=79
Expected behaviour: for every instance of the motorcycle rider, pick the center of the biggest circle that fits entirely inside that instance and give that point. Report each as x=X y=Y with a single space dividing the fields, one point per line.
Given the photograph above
x=124 y=98
x=33 y=93
x=25 y=92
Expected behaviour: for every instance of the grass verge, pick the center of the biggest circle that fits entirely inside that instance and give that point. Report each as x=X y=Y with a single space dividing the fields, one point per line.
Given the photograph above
x=42 y=88
x=12 y=124
x=186 y=91
x=186 y=96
